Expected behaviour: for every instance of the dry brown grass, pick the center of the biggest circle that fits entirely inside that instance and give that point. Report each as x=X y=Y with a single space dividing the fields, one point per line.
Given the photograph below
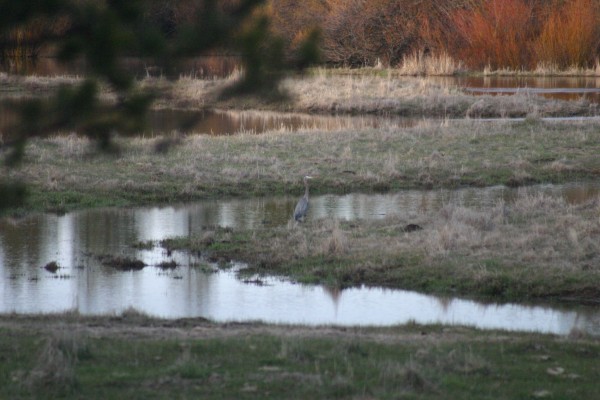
x=336 y=243
x=540 y=244
x=324 y=92
x=535 y=230
x=427 y=155
x=418 y=63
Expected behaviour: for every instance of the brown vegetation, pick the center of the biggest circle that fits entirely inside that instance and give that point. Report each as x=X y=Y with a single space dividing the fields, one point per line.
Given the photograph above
x=516 y=34
x=570 y=35
x=16 y=43
x=513 y=34
x=494 y=34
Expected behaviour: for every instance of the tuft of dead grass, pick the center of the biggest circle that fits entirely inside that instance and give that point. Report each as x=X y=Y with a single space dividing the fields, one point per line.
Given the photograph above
x=55 y=367
x=336 y=243
x=419 y=63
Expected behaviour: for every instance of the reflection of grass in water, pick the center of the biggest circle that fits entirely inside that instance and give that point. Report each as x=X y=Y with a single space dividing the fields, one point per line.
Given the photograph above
x=147 y=245
x=205 y=268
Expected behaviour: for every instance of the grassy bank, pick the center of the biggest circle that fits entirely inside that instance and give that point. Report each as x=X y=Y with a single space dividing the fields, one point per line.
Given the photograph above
x=534 y=247
x=137 y=357
x=325 y=91
x=66 y=172
x=366 y=92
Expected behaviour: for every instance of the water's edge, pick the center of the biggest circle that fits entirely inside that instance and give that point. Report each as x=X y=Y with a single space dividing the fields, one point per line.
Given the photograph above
x=75 y=241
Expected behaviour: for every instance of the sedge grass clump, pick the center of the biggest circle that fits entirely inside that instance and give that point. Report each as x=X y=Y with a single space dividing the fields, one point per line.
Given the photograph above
x=408 y=376
x=54 y=370
x=335 y=243
x=529 y=202
x=458 y=228
x=419 y=63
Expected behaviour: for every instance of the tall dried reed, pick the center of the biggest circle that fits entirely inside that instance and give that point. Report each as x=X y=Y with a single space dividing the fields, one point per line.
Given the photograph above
x=420 y=63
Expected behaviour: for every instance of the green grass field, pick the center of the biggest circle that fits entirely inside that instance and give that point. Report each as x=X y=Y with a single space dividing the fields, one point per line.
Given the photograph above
x=138 y=357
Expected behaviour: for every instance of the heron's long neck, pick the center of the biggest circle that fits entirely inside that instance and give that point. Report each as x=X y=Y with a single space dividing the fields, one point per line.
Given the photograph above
x=305 y=188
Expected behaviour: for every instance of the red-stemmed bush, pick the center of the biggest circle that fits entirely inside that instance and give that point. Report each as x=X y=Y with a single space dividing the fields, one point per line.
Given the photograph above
x=570 y=35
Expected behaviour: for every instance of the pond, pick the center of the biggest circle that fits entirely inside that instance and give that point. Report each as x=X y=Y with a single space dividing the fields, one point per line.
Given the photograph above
x=193 y=289
x=556 y=87
x=165 y=122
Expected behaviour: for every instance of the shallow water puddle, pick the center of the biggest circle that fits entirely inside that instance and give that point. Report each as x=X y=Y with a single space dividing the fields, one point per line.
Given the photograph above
x=191 y=289
x=555 y=87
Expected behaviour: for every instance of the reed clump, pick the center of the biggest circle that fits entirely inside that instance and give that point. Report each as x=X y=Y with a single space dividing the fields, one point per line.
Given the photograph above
x=55 y=368
x=336 y=243
x=421 y=63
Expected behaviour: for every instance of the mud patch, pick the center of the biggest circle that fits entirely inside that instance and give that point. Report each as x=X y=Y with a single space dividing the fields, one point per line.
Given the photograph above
x=52 y=266
x=122 y=263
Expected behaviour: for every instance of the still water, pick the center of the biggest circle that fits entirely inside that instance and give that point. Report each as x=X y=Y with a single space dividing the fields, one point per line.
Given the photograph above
x=556 y=87
x=162 y=122
x=165 y=122
x=74 y=241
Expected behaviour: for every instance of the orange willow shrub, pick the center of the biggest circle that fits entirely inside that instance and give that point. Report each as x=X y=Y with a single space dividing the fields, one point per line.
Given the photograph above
x=496 y=34
x=435 y=22
x=571 y=35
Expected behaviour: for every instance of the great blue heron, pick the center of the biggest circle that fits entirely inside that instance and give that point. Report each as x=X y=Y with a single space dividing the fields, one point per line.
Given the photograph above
x=302 y=206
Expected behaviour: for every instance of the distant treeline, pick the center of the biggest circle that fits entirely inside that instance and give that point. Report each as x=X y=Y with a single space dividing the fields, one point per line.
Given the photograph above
x=516 y=34
x=512 y=34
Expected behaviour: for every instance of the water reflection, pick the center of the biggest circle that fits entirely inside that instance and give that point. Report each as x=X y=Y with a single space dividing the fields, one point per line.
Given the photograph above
x=84 y=284
x=557 y=87
x=235 y=122
x=164 y=122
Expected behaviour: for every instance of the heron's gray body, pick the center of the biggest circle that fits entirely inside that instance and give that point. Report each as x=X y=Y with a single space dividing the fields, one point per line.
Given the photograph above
x=302 y=206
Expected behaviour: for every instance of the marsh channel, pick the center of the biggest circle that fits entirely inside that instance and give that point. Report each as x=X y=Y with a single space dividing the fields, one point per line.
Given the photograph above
x=192 y=286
